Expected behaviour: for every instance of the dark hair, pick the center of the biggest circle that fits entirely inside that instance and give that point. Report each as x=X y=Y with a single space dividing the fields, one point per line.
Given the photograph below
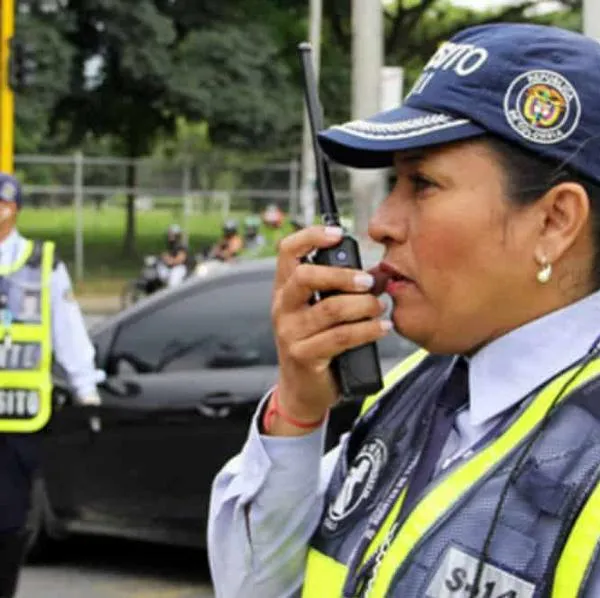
x=529 y=176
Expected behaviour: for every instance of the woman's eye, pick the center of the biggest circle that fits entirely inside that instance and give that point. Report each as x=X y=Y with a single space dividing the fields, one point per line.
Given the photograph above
x=420 y=183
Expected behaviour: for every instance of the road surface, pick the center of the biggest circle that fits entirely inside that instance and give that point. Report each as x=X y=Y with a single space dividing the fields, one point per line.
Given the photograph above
x=103 y=568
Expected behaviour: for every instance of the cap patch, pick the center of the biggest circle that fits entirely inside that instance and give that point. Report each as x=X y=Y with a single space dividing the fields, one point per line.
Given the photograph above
x=8 y=191
x=542 y=106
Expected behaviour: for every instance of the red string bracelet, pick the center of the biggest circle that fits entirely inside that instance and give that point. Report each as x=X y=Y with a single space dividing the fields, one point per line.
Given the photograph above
x=274 y=408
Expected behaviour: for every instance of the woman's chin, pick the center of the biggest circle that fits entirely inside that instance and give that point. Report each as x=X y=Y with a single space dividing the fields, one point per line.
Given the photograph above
x=419 y=329
x=409 y=326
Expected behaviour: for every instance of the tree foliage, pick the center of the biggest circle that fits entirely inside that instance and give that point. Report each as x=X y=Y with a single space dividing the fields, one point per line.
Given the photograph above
x=123 y=76
x=130 y=69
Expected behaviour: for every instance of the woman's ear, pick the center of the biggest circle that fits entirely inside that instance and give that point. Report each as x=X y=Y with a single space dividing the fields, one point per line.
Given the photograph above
x=565 y=216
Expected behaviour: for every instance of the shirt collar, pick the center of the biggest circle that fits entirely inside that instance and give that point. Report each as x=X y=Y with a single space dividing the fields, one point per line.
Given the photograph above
x=504 y=372
x=11 y=238
x=8 y=247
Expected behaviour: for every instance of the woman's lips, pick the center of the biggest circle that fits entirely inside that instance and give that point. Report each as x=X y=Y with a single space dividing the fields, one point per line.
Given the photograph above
x=393 y=287
x=389 y=279
x=381 y=280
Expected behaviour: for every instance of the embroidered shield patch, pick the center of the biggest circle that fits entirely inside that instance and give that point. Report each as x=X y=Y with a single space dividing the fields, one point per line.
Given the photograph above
x=358 y=483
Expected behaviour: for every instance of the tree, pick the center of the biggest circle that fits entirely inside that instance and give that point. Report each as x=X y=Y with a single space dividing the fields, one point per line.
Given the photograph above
x=125 y=95
x=415 y=28
x=231 y=78
x=33 y=106
x=154 y=63
x=123 y=74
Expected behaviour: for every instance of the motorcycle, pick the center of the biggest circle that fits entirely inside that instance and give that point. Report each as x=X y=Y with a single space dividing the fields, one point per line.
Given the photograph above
x=148 y=282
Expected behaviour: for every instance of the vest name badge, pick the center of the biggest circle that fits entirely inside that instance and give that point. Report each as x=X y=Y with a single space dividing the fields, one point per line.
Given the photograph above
x=20 y=356
x=19 y=403
x=456 y=574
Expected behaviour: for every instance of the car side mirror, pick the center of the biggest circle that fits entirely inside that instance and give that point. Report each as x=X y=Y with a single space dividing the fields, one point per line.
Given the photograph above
x=234 y=358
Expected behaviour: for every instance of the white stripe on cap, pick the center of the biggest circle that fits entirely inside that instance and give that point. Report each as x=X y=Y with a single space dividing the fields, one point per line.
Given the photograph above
x=401 y=129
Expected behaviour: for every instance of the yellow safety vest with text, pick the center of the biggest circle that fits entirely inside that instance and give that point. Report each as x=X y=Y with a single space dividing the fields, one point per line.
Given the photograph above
x=325 y=576
x=26 y=393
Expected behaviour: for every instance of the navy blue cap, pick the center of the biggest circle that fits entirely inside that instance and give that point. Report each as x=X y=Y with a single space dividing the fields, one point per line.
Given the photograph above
x=10 y=189
x=533 y=85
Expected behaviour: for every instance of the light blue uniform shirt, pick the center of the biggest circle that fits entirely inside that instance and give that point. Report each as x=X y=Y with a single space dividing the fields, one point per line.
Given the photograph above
x=266 y=502
x=70 y=341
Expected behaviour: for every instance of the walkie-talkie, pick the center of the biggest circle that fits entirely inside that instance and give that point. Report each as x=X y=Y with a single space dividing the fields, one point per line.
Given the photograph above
x=357 y=371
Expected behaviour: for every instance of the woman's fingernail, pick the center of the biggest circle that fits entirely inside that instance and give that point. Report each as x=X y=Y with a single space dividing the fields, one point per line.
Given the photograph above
x=386 y=325
x=363 y=281
x=334 y=231
x=382 y=304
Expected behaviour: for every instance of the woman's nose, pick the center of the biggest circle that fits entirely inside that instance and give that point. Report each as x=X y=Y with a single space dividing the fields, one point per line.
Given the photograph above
x=389 y=222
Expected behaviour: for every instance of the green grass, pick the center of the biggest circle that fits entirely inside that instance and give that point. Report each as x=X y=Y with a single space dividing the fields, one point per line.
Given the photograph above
x=105 y=265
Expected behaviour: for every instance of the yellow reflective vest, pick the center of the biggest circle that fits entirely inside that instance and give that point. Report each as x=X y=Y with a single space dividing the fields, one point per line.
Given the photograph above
x=325 y=575
x=26 y=343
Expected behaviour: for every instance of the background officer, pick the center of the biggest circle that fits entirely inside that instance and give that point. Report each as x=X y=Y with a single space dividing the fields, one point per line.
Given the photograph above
x=39 y=317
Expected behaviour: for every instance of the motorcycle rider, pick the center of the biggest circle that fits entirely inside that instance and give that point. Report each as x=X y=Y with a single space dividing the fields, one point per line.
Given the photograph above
x=230 y=245
x=173 y=262
x=254 y=241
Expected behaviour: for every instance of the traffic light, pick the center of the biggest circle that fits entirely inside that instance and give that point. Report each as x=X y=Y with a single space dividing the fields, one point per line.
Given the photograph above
x=23 y=65
x=7 y=114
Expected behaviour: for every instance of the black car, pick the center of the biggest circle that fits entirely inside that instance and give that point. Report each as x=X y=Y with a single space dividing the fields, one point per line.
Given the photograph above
x=185 y=369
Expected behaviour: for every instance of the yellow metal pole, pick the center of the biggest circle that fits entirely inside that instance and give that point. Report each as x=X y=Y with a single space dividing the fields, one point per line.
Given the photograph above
x=7 y=113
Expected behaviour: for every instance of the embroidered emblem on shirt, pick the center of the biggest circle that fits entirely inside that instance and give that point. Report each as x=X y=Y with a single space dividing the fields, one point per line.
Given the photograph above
x=358 y=484
x=456 y=574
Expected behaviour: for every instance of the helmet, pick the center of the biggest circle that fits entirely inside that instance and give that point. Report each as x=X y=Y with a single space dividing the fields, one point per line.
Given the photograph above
x=252 y=223
x=230 y=227
x=174 y=230
x=273 y=216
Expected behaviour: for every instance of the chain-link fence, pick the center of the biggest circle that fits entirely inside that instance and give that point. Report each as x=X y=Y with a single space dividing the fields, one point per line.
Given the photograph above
x=87 y=189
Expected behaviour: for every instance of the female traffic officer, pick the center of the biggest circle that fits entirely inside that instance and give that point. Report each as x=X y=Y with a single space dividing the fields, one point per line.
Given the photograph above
x=476 y=471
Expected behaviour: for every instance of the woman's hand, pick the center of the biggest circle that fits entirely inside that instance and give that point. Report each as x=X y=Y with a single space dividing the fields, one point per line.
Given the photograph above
x=309 y=336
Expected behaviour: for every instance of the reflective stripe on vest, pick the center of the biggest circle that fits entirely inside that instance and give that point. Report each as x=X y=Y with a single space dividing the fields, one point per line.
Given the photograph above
x=393 y=376
x=579 y=551
x=325 y=576
x=17 y=265
x=27 y=393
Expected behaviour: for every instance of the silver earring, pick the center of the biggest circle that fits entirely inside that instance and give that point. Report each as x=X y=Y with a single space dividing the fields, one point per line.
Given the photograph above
x=544 y=273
